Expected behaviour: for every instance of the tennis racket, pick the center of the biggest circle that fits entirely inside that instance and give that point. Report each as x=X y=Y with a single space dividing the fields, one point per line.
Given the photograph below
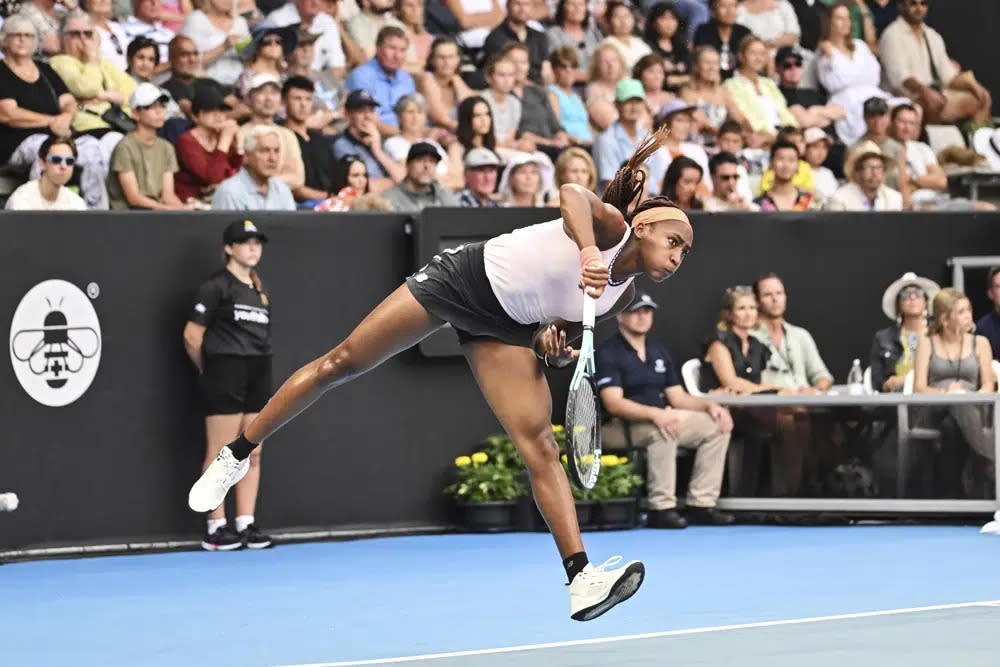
x=583 y=410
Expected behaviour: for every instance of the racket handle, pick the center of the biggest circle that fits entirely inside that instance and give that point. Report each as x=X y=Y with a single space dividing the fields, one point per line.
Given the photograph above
x=589 y=311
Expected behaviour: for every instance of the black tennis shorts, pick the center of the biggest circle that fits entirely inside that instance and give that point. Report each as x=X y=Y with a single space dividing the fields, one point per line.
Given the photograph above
x=454 y=287
x=234 y=385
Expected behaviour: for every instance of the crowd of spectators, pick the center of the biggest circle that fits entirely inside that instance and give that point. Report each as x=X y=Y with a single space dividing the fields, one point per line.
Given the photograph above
x=772 y=104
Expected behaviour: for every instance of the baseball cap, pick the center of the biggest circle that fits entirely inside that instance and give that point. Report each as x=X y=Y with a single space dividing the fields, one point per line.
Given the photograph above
x=146 y=95
x=785 y=54
x=674 y=106
x=423 y=149
x=242 y=230
x=641 y=300
x=481 y=157
x=358 y=99
x=261 y=79
x=875 y=106
x=629 y=89
x=814 y=134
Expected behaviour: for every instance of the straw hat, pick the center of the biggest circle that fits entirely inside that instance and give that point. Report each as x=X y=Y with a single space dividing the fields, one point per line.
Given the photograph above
x=929 y=287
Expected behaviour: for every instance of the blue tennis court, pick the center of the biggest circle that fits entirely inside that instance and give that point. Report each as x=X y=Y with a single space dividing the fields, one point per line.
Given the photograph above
x=873 y=595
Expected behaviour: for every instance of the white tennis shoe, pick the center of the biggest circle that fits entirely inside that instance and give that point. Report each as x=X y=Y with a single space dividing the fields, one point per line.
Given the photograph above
x=211 y=488
x=595 y=590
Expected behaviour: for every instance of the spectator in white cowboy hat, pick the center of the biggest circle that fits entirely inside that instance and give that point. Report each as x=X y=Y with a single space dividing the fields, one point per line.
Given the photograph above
x=867 y=190
x=817 y=143
x=894 y=349
x=481 y=167
x=523 y=182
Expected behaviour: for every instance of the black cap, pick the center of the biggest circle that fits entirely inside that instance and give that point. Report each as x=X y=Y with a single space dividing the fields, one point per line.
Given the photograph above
x=876 y=106
x=423 y=149
x=241 y=231
x=786 y=53
x=641 y=300
x=358 y=99
x=207 y=97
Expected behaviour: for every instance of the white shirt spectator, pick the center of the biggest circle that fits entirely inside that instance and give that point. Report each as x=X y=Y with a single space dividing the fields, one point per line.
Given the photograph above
x=114 y=43
x=824 y=182
x=29 y=197
x=918 y=157
x=850 y=197
x=635 y=50
x=155 y=31
x=227 y=68
x=905 y=55
x=771 y=24
x=329 y=49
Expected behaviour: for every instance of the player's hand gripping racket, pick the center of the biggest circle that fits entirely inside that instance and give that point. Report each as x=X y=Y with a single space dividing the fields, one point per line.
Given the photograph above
x=583 y=410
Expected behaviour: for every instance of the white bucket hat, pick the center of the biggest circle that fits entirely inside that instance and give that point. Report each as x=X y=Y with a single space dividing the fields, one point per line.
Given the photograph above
x=929 y=287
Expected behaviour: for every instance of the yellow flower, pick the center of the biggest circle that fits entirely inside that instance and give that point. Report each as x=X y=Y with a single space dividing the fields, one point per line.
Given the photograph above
x=480 y=457
x=622 y=460
x=558 y=428
x=609 y=460
x=564 y=459
x=463 y=461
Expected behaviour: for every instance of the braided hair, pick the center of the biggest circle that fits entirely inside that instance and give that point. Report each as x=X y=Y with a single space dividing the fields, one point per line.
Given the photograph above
x=627 y=184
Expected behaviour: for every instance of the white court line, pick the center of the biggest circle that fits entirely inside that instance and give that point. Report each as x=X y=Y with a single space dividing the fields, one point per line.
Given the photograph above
x=651 y=635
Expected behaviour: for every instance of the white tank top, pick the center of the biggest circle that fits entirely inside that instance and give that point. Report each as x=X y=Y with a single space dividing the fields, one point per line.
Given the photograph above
x=535 y=272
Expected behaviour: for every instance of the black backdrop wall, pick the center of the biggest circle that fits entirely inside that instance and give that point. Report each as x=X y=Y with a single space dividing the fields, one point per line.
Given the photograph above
x=118 y=461
x=967 y=28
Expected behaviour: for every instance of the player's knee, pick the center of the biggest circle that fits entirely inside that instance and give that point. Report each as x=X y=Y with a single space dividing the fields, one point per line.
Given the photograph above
x=540 y=451
x=337 y=365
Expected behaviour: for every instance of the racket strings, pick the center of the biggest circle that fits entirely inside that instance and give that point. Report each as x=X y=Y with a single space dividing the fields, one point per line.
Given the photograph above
x=583 y=421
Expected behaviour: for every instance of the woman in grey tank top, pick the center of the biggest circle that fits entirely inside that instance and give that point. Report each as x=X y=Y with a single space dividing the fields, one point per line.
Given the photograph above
x=952 y=359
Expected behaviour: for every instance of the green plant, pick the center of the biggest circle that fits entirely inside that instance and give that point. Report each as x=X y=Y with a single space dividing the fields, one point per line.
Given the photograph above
x=480 y=480
x=502 y=451
x=617 y=479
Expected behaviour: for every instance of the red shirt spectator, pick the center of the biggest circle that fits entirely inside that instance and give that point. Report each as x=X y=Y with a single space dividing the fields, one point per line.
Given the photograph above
x=208 y=153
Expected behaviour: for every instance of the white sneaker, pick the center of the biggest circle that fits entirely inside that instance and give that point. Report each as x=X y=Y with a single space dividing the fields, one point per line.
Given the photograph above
x=211 y=488
x=993 y=527
x=595 y=590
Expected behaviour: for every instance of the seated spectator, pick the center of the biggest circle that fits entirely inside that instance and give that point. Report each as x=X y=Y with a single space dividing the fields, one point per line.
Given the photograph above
x=476 y=18
x=678 y=116
x=317 y=158
x=31 y=113
x=664 y=36
x=216 y=33
x=442 y=84
x=649 y=71
x=726 y=195
x=952 y=359
x=917 y=66
x=817 y=143
x=146 y=22
x=814 y=16
x=266 y=54
x=783 y=195
x=45 y=17
x=538 y=124
x=143 y=165
x=256 y=187
x=706 y=92
x=735 y=360
x=411 y=110
x=411 y=14
x=681 y=182
x=576 y=166
x=773 y=21
x=481 y=168
x=143 y=57
x=475 y=124
x=894 y=349
x=607 y=70
x=621 y=33
x=876 y=116
x=614 y=146
x=850 y=73
x=989 y=325
x=383 y=77
x=420 y=188
x=505 y=107
x=639 y=387
x=113 y=38
x=264 y=98
x=757 y=98
x=348 y=183
x=867 y=190
x=365 y=28
x=573 y=28
x=312 y=18
x=523 y=182
x=723 y=34
x=807 y=104
x=566 y=102
x=691 y=14
x=208 y=153
x=803 y=179
x=327 y=88
x=48 y=193
x=515 y=28
x=731 y=141
x=184 y=68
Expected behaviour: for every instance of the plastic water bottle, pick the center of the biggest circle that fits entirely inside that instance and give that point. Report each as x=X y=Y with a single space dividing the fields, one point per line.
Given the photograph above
x=8 y=502
x=856 y=379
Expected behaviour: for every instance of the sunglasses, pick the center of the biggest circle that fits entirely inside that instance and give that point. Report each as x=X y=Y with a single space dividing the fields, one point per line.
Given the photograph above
x=912 y=293
x=920 y=3
x=59 y=159
x=788 y=64
x=271 y=41
x=728 y=177
x=89 y=34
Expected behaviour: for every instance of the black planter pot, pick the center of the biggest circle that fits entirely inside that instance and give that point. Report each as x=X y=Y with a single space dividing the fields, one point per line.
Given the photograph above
x=495 y=516
x=530 y=519
x=617 y=513
x=586 y=514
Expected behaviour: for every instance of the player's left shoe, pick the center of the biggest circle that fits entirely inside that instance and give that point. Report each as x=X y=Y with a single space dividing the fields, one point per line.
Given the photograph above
x=595 y=590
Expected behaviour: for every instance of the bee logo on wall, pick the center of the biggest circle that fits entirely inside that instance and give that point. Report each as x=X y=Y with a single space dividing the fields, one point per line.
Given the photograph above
x=55 y=343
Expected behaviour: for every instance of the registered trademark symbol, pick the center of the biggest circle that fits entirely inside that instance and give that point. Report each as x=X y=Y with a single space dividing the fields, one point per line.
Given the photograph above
x=93 y=290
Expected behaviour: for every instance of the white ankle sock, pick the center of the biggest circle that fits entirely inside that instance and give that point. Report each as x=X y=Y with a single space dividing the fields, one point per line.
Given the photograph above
x=242 y=521
x=215 y=524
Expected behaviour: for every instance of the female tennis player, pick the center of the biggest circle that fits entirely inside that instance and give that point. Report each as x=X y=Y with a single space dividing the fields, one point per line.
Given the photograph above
x=512 y=298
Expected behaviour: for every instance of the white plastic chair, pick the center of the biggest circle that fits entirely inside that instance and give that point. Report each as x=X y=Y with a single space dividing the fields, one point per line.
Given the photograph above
x=691 y=374
x=941 y=137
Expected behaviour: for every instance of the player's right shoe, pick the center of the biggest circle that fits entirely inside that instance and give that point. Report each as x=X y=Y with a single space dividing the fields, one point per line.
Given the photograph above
x=211 y=488
x=595 y=590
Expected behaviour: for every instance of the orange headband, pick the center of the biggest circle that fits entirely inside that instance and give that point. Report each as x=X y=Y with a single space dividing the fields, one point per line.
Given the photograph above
x=658 y=213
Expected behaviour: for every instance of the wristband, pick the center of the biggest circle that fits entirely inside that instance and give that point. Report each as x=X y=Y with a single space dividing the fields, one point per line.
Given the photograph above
x=589 y=254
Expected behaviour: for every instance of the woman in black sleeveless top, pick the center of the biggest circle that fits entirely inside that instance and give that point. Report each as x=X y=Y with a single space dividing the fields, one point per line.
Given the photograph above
x=735 y=359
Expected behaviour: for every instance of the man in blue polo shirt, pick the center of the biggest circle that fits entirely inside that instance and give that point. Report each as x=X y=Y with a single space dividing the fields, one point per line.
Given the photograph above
x=640 y=389
x=384 y=77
